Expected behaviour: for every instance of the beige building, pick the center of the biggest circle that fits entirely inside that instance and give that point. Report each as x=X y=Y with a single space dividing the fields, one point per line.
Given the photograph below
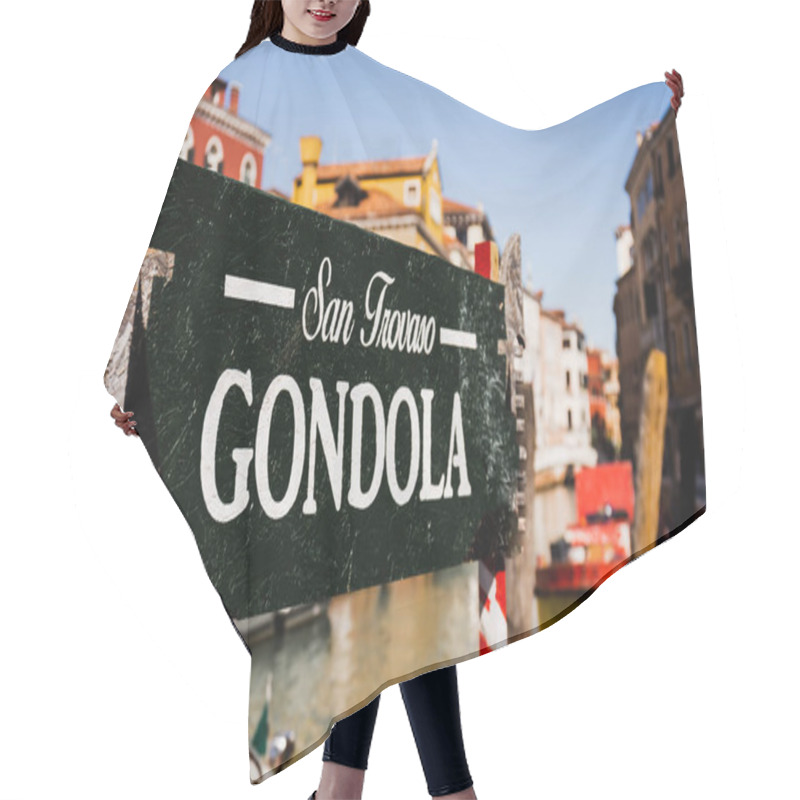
x=465 y=226
x=555 y=362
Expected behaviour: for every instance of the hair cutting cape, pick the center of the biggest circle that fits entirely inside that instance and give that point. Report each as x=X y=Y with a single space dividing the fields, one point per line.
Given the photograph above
x=419 y=381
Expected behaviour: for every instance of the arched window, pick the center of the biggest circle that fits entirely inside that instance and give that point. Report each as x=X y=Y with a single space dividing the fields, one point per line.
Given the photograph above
x=411 y=193
x=187 y=151
x=248 y=172
x=214 y=155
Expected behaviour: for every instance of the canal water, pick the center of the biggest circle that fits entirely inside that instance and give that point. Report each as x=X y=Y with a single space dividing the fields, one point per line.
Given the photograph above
x=365 y=639
x=371 y=636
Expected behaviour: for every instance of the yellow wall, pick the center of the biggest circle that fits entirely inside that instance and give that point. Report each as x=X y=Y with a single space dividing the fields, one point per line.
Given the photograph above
x=430 y=186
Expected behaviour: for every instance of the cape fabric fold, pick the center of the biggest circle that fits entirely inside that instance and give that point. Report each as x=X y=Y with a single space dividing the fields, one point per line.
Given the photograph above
x=418 y=381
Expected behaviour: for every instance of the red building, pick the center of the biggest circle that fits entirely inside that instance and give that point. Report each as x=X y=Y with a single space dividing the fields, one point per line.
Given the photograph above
x=220 y=140
x=596 y=386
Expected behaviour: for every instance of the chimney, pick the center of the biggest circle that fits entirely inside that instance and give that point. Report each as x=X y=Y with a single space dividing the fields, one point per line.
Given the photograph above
x=310 y=150
x=216 y=92
x=234 y=105
x=487 y=262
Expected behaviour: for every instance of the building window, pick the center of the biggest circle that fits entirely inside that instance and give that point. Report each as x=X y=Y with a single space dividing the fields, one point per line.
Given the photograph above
x=642 y=200
x=568 y=381
x=650 y=299
x=673 y=347
x=411 y=193
x=569 y=419
x=248 y=170
x=685 y=235
x=187 y=151
x=648 y=257
x=670 y=158
x=566 y=343
x=659 y=176
x=214 y=155
x=687 y=344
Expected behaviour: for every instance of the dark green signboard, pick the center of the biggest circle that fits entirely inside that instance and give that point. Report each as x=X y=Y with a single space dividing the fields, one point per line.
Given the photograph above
x=326 y=406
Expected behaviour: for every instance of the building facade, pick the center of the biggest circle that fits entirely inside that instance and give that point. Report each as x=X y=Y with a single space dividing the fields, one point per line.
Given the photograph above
x=220 y=140
x=654 y=308
x=400 y=198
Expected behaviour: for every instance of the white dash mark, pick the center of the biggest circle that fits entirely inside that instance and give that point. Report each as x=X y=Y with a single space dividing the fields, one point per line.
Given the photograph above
x=457 y=338
x=270 y=294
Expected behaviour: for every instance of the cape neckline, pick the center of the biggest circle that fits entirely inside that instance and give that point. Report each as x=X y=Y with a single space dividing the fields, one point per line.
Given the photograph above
x=309 y=49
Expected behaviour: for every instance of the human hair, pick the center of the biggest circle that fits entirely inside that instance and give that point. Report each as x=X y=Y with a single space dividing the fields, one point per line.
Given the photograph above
x=266 y=18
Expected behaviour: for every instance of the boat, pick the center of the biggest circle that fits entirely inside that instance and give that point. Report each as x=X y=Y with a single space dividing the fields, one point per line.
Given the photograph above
x=593 y=545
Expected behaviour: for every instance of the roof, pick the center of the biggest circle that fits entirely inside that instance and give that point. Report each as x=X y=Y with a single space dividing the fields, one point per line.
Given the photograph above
x=453 y=207
x=411 y=165
x=377 y=203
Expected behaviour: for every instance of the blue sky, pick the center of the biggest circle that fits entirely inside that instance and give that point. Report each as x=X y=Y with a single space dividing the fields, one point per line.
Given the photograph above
x=561 y=188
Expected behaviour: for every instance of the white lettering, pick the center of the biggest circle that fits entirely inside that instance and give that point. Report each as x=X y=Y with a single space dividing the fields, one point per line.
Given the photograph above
x=333 y=319
x=334 y=453
x=460 y=460
x=242 y=456
x=356 y=496
x=320 y=427
x=275 y=509
x=402 y=496
x=428 y=491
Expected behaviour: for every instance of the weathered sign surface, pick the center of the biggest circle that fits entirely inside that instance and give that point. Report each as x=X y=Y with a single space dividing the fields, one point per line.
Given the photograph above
x=326 y=406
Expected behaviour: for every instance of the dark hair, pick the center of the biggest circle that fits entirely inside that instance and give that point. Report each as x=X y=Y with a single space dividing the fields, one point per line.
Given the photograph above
x=266 y=18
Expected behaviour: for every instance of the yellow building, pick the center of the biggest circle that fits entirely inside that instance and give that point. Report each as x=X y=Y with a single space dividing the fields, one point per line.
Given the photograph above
x=400 y=198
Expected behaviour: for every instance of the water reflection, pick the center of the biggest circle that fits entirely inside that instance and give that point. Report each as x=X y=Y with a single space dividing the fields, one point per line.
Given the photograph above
x=340 y=658
x=365 y=638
